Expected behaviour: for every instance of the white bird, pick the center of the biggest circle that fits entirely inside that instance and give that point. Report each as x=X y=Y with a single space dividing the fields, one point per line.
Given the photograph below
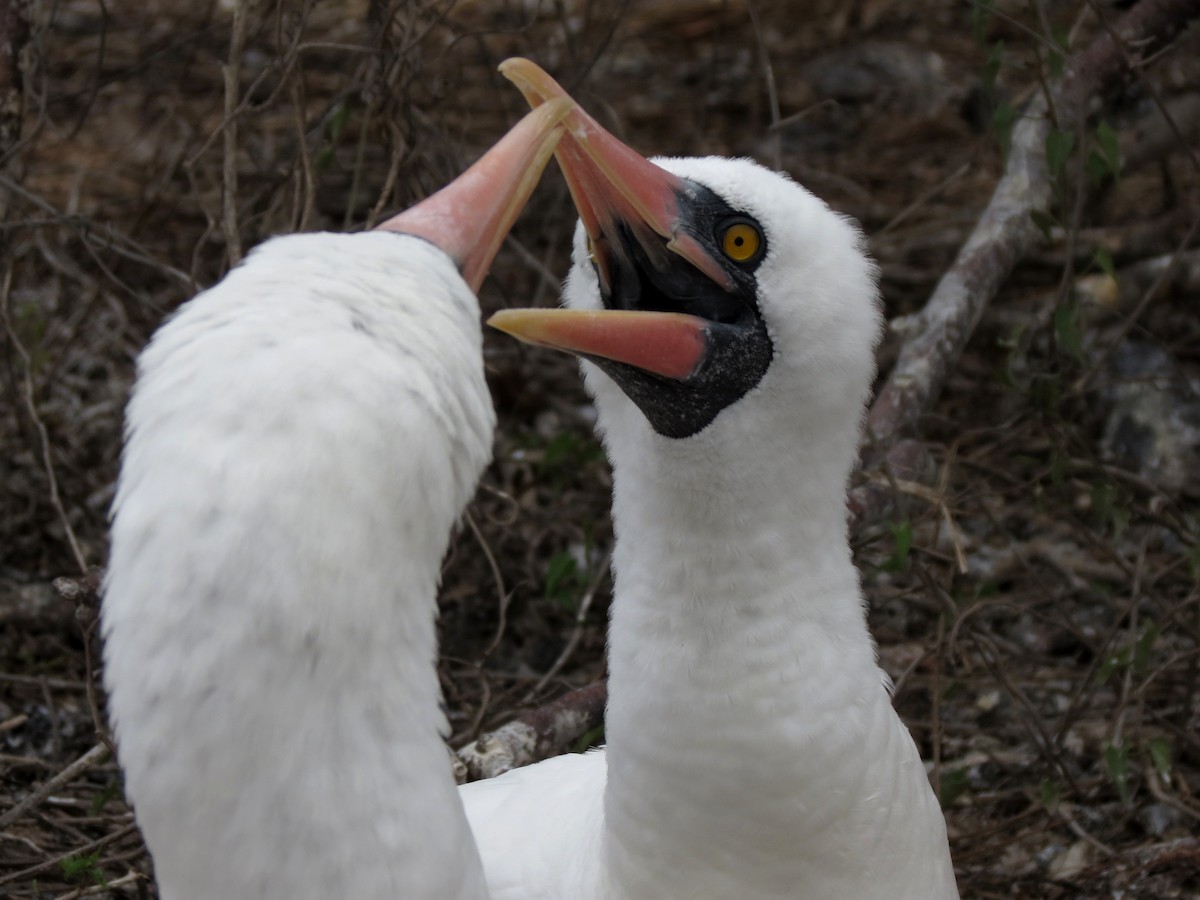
x=300 y=441
x=728 y=320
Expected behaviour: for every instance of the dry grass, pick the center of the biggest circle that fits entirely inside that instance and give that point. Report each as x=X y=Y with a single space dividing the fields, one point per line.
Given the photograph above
x=1043 y=625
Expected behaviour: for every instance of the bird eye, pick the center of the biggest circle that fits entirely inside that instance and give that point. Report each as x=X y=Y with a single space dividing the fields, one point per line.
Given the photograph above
x=741 y=241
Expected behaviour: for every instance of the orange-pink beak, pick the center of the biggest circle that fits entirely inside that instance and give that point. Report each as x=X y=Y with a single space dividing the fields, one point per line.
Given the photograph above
x=470 y=217
x=615 y=187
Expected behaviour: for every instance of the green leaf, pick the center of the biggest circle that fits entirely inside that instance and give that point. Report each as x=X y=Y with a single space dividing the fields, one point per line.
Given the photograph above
x=1058 y=55
x=1116 y=760
x=562 y=577
x=1044 y=221
x=111 y=791
x=981 y=19
x=592 y=738
x=83 y=867
x=902 y=535
x=1058 y=150
x=1104 y=162
x=1161 y=753
x=1002 y=125
x=1096 y=168
x=990 y=70
x=1144 y=647
x=1050 y=791
x=1117 y=660
x=1104 y=262
x=1067 y=330
x=954 y=783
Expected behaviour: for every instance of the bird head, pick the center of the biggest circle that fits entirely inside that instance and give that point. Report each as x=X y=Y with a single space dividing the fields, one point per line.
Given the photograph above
x=711 y=293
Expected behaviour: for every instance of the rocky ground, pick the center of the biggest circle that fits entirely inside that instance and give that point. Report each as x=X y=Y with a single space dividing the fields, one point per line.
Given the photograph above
x=1035 y=591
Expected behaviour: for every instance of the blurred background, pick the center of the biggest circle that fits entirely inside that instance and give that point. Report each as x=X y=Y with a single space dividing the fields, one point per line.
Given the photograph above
x=1036 y=602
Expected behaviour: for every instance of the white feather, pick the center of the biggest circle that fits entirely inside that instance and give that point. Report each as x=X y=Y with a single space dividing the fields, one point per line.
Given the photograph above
x=302 y=438
x=752 y=747
x=300 y=441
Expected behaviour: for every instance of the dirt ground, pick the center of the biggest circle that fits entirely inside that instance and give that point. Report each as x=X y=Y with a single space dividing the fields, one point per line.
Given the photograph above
x=1037 y=601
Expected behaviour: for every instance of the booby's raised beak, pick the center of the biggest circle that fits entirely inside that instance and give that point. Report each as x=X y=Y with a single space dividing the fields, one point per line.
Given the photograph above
x=469 y=218
x=637 y=218
x=613 y=185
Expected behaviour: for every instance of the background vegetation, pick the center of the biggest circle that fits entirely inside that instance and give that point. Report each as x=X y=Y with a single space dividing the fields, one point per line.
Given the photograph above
x=1035 y=588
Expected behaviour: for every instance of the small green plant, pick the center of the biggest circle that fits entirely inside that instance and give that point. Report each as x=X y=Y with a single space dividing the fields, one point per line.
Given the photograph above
x=1134 y=657
x=1116 y=761
x=84 y=868
x=1068 y=333
x=1060 y=46
x=1104 y=159
x=1162 y=754
x=589 y=739
x=1050 y=793
x=953 y=785
x=565 y=581
x=901 y=546
x=335 y=128
x=111 y=791
x=1059 y=145
x=566 y=453
x=1104 y=262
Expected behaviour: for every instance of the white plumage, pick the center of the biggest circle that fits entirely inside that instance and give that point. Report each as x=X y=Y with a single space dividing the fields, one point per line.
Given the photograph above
x=728 y=320
x=752 y=747
x=301 y=440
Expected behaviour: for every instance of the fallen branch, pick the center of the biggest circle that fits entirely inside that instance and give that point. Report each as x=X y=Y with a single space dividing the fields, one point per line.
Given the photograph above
x=540 y=733
x=1006 y=229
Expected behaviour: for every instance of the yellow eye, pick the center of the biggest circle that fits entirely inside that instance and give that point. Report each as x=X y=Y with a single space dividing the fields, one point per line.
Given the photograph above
x=741 y=241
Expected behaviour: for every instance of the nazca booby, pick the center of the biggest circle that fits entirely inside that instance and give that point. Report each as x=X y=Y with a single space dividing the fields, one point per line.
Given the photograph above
x=300 y=441
x=727 y=320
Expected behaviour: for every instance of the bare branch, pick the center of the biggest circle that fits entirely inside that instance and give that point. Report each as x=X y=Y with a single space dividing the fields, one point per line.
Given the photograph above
x=1006 y=229
x=543 y=732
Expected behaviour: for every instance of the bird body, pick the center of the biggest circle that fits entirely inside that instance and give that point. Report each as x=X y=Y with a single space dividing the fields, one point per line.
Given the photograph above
x=300 y=441
x=302 y=438
x=752 y=748
x=271 y=752
x=727 y=321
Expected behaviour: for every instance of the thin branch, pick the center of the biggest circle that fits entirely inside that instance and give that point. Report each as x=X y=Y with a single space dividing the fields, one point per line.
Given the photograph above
x=31 y=407
x=581 y=614
x=96 y=755
x=229 y=189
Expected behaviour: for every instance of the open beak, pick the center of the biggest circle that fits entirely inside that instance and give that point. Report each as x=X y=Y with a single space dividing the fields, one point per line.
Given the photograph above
x=613 y=183
x=624 y=200
x=673 y=345
x=469 y=218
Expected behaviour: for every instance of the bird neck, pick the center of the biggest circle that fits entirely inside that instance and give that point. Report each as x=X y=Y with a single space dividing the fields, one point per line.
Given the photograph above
x=301 y=440
x=744 y=695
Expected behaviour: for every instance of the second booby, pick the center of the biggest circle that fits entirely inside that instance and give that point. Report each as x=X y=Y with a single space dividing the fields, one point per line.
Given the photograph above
x=300 y=441
x=727 y=320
